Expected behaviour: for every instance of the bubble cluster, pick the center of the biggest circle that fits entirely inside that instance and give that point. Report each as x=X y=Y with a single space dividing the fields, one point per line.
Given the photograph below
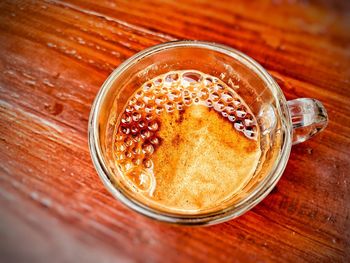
x=137 y=136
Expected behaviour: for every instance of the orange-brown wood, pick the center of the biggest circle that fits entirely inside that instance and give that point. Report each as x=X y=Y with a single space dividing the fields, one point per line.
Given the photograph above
x=54 y=56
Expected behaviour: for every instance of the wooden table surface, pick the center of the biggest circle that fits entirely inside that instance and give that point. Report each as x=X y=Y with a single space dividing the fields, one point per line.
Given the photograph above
x=54 y=56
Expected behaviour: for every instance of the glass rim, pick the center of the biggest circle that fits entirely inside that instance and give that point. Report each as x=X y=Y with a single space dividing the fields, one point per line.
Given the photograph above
x=251 y=199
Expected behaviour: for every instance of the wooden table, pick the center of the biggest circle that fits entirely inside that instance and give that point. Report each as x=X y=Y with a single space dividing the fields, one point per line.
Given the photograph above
x=54 y=56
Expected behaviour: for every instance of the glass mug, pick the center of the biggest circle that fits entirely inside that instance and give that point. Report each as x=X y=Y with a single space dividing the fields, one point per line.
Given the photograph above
x=281 y=122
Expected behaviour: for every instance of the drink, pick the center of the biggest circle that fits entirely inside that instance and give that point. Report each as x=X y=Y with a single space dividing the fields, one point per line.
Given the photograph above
x=183 y=147
x=186 y=142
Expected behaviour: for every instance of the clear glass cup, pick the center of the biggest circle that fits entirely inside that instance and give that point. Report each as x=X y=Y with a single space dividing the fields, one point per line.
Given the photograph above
x=282 y=123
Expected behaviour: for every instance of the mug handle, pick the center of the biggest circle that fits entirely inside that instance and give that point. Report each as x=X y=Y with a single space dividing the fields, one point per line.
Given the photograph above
x=309 y=117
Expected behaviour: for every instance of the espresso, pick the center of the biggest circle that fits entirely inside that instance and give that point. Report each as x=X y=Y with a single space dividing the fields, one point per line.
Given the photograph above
x=186 y=142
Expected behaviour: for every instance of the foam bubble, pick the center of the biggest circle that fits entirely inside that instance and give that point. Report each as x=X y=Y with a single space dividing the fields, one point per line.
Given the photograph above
x=160 y=100
x=149 y=108
x=191 y=77
x=124 y=129
x=219 y=106
x=145 y=134
x=209 y=103
x=241 y=112
x=180 y=105
x=208 y=81
x=159 y=110
x=250 y=131
x=238 y=124
x=132 y=101
x=129 y=141
x=231 y=117
x=139 y=94
x=158 y=81
x=147 y=163
x=169 y=106
x=236 y=102
x=129 y=108
x=149 y=117
x=249 y=120
x=214 y=96
x=136 y=116
x=147 y=86
x=142 y=123
x=230 y=108
x=139 y=105
x=128 y=155
x=126 y=118
x=137 y=138
x=141 y=179
x=136 y=150
x=227 y=96
x=147 y=148
x=134 y=129
x=121 y=147
x=204 y=94
x=153 y=126
x=136 y=161
x=219 y=88
x=154 y=140
x=187 y=101
x=172 y=77
x=119 y=137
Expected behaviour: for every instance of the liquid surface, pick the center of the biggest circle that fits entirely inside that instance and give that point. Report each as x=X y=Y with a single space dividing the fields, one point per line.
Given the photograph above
x=186 y=142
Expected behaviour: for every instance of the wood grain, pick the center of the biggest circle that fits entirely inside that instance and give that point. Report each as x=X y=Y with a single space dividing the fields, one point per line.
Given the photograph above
x=54 y=56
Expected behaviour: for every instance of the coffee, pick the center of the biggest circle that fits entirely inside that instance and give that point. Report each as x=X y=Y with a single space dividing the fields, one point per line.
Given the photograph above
x=186 y=142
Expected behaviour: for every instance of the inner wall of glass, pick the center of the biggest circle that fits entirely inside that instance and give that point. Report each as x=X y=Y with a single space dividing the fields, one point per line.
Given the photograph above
x=241 y=78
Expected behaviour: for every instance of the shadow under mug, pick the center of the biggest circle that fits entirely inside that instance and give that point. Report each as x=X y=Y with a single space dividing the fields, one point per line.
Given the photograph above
x=281 y=122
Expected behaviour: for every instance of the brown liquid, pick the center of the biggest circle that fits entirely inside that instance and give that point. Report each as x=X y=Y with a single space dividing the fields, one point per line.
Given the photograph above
x=186 y=142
